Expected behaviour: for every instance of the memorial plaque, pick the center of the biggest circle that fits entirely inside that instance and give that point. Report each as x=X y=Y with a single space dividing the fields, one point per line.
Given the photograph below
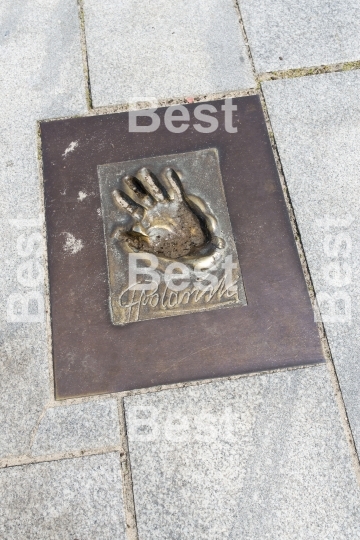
x=145 y=225
x=180 y=226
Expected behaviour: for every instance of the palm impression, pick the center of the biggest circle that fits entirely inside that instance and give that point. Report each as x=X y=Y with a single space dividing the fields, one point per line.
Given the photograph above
x=166 y=221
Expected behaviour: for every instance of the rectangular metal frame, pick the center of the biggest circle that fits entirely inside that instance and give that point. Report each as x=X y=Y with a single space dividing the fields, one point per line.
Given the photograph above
x=91 y=356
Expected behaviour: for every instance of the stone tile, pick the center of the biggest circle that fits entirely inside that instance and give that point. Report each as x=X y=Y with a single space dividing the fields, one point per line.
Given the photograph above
x=294 y=34
x=261 y=457
x=316 y=121
x=63 y=500
x=164 y=49
x=41 y=59
x=78 y=427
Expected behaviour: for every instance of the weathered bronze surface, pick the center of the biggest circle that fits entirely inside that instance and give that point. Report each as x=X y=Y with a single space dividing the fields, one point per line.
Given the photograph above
x=91 y=355
x=181 y=219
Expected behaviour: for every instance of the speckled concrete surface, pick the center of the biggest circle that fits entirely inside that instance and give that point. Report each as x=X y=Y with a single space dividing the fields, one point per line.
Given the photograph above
x=63 y=500
x=164 y=49
x=297 y=33
x=260 y=457
x=316 y=121
x=86 y=426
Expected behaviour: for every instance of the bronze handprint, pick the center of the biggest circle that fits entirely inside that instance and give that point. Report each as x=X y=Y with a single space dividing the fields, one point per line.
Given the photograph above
x=166 y=221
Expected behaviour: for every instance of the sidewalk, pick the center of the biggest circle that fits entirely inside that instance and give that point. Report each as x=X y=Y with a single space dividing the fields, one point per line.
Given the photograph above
x=269 y=455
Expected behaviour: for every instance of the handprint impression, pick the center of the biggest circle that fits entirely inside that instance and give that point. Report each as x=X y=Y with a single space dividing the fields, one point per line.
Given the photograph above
x=166 y=221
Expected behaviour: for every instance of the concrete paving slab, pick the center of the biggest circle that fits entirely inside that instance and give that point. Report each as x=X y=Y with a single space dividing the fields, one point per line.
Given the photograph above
x=295 y=34
x=164 y=49
x=62 y=500
x=316 y=121
x=260 y=457
x=42 y=66
x=86 y=426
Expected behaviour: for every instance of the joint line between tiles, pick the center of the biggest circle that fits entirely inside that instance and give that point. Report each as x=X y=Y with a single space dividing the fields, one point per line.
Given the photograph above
x=25 y=459
x=48 y=330
x=67 y=402
x=125 y=466
x=307 y=71
x=85 y=58
x=245 y=38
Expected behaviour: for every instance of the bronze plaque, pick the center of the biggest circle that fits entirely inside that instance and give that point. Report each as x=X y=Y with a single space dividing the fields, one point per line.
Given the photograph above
x=170 y=248
x=93 y=355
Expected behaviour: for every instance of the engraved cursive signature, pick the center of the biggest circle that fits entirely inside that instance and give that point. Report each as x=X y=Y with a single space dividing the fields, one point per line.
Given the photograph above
x=133 y=302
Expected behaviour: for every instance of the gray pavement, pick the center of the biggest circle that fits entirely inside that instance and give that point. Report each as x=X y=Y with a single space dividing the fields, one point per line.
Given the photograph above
x=298 y=33
x=261 y=456
x=84 y=426
x=316 y=123
x=74 y=498
x=164 y=49
x=43 y=77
